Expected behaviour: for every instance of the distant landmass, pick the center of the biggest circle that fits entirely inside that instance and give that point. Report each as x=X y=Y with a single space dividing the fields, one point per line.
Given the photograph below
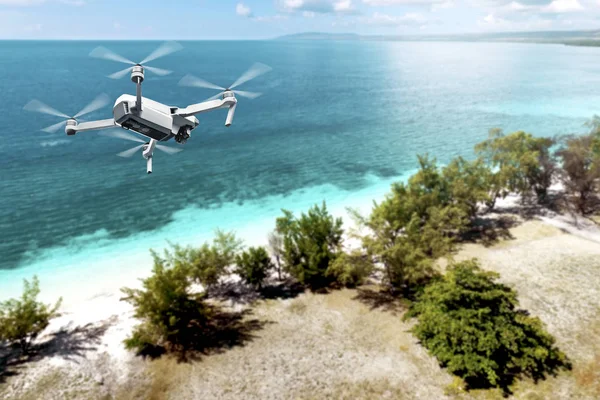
x=573 y=38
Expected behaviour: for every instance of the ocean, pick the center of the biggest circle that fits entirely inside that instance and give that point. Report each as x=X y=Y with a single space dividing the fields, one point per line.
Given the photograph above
x=339 y=121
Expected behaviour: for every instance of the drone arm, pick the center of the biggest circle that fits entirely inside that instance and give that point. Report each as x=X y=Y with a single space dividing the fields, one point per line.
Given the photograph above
x=207 y=106
x=90 y=126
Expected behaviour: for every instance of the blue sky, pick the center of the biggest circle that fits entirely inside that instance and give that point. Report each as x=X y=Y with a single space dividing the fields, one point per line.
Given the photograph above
x=258 y=19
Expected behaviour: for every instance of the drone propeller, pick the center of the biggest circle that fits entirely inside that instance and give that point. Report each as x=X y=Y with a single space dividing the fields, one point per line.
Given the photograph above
x=163 y=50
x=132 y=138
x=255 y=71
x=37 y=106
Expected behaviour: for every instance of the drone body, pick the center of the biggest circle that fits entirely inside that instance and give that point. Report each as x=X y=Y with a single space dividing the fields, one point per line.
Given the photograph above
x=155 y=121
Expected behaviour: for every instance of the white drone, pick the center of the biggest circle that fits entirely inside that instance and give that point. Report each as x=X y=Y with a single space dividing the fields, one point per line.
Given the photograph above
x=156 y=121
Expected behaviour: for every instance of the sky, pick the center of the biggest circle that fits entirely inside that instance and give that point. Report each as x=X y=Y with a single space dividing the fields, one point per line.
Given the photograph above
x=263 y=19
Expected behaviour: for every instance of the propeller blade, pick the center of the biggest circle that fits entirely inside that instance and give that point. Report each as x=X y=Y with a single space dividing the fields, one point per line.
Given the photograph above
x=162 y=50
x=38 y=106
x=190 y=80
x=122 y=135
x=256 y=70
x=130 y=152
x=158 y=71
x=120 y=74
x=216 y=96
x=55 y=127
x=168 y=150
x=250 y=95
x=103 y=52
x=96 y=104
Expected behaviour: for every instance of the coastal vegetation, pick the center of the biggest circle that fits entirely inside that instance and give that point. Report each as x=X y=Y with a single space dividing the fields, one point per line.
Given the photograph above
x=23 y=319
x=405 y=247
x=471 y=323
x=254 y=265
x=465 y=318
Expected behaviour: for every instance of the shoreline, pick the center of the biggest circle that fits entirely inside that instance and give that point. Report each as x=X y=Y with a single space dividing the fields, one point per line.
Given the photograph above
x=96 y=265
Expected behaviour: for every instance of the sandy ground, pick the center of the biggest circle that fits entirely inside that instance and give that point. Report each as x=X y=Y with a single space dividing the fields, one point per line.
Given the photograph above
x=346 y=344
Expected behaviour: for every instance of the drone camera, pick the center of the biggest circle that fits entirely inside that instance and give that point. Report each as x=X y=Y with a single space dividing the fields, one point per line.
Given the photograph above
x=183 y=135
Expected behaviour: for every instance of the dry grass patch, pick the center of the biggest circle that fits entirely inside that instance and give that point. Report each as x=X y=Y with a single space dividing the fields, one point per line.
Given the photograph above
x=321 y=346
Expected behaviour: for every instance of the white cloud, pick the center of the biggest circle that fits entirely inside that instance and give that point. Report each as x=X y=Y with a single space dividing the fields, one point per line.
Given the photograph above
x=342 y=6
x=440 y=6
x=20 y=2
x=563 y=6
x=77 y=3
x=492 y=22
x=516 y=6
x=27 y=3
x=242 y=10
x=317 y=6
x=383 y=3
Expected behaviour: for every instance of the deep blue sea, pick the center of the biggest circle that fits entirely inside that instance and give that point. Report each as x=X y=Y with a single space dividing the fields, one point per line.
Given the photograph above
x=338 y=121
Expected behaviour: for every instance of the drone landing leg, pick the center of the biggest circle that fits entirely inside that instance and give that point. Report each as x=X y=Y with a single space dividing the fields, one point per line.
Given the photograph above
x=138 y=104
x=149 y=165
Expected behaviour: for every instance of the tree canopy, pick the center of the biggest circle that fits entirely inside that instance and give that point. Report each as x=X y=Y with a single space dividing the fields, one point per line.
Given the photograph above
x=166 y=307
x=23 y=319
x=580 y=156
x=521 y=163
x=253 y=265
x=471 y=323
x=311 y=242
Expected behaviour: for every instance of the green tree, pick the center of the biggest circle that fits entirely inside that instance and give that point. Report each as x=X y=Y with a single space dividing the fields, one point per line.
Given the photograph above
x=254 y=265
x=470 y=184
x=416 y=223
x=208 y=263
x=471 y=324
x=311 y=243
x=168 y=310
x=580 y=168
x=351 y=269
x=22 y=320
x=521 y=163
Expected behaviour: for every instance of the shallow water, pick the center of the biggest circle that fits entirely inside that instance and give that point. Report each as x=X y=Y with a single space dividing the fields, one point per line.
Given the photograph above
x=339 y=121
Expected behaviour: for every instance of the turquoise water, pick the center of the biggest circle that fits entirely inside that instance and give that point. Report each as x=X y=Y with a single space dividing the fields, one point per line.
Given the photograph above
x=339 y=121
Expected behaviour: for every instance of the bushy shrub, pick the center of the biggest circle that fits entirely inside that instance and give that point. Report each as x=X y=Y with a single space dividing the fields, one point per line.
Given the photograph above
x=471 y=324
x=311 y=243
x=208 y=263
x=22 y=320
x=254 y=265
x=351 y=269
x=168 y=310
